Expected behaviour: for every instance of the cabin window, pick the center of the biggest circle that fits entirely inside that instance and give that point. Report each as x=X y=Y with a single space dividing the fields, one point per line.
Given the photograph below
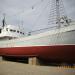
x=12 y=30
x=17 y=31
x=0 y=30
x=23 y=33
x=29 y=33
x=6 y=29
x=20 y=32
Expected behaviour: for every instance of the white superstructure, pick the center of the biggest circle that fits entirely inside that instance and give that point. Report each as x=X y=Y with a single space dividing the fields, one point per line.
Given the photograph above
x=62 y=36
x=11 y=31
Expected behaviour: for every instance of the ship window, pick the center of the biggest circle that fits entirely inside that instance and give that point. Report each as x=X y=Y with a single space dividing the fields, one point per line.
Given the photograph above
x=29 y=33
x=23 y=33
x=0 y=30
x=20 y=32
x=17 y=31
x=12 y=30
x=6 y=29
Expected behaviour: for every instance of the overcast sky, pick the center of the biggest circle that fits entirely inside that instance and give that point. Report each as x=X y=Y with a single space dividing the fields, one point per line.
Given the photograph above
x=29 y=12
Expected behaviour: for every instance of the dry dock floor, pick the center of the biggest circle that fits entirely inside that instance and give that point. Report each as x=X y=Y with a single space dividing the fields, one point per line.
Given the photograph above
x=15 y=68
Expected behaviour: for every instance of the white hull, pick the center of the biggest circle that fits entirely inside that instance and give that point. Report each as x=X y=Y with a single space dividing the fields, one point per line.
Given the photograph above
x=62 y=36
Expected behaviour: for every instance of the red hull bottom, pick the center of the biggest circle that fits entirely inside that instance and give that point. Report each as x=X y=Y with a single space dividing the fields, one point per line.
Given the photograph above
x=63 y=53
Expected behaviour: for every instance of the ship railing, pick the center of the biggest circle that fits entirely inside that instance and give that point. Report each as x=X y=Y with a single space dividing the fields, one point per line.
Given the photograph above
x=50 y=28
x=41 y=30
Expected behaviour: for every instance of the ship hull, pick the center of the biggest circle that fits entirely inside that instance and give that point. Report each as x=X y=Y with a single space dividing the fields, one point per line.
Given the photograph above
x=55 y=45
x=58 y=53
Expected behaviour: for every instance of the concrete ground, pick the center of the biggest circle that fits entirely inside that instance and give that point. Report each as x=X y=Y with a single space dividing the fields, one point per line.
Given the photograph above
x=15 y=68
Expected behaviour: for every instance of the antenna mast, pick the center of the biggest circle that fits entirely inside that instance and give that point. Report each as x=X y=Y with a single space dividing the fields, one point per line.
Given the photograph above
x=3 y=21
x=58 y=13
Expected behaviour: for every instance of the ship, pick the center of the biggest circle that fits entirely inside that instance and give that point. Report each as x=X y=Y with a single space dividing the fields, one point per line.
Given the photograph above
x=56 y=45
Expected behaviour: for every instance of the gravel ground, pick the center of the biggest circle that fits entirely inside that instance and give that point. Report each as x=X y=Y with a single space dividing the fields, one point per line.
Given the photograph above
x=15 y=68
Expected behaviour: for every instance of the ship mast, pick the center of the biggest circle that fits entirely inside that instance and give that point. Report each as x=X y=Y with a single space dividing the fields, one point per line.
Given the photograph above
x=58 y=13
x=3 y=21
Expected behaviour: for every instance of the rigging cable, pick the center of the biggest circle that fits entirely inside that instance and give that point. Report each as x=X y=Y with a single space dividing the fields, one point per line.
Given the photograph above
x=35 y=23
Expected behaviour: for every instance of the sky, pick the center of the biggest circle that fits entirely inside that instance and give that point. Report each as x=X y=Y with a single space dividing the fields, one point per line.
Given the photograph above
x=31 y=14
